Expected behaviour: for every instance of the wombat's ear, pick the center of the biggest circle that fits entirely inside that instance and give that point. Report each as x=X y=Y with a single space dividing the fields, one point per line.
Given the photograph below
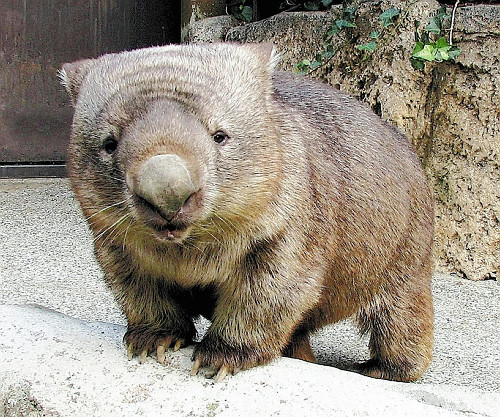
x=267 y=54
x=73 y=74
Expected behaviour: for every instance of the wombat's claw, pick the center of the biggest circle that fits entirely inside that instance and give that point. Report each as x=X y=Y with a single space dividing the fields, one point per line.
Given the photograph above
x=223 y=371
x=196 y=367
x=130 y=351
x=219 y=375
x=160 y=353
x=161 y=348
x=142 y=356
x=179 y=344
x=162 y=344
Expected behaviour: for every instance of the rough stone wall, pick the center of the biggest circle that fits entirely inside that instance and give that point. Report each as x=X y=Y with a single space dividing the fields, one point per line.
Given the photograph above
x=450 y=111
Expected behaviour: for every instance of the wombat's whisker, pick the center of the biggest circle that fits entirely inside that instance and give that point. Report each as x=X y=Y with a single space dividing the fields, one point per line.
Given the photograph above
x=216 y=226
x=108 y=207
x=187 y=243
x=228 y=223
x=125 y=236
x=115 y=229
x=118 y=222
x=213 y=236
x=107 y=217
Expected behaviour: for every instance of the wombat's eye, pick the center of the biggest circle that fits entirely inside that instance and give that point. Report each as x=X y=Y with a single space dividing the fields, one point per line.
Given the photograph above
x=110 y=144
x=220 y=137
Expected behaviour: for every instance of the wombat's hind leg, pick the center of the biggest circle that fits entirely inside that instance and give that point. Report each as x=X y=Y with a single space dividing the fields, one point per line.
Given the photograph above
x=299 y=347
x=401 y=340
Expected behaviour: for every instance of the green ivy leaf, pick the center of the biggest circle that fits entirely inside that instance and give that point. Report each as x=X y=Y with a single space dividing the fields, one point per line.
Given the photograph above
x=418 y=47
x=303 y=66
x=442 y=48
x=341 y=23
x=326 y=55
x=441 y=55
x=326 y=3
x=417 y=64
x=375 y=34
x=350 y=11
x=310 y=5
x=316 y=64
x=428 y=53
x=370 y=46
x=434 y=26
x=454 y=52
x=441 y=14
x=425 y=50
x=247 y=13
x=442 y=43
x=388 y=16
x=331 y=32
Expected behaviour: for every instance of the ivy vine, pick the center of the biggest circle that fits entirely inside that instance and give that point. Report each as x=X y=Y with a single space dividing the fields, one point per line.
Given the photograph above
x=430 y=42
x=426 y=49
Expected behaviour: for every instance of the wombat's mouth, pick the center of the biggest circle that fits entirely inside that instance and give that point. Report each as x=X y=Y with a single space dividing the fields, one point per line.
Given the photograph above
x=172 y=226
x=170 y=231
x=173 y=229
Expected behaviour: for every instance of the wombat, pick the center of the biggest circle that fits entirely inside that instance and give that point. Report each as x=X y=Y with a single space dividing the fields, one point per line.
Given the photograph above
x=268 y=203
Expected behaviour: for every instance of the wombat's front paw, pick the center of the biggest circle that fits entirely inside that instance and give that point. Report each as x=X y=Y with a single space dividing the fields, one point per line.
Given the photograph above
x=142 y=340
x=225 y=359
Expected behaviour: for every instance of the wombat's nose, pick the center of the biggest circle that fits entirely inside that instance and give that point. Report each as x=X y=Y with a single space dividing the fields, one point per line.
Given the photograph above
x=164 y=182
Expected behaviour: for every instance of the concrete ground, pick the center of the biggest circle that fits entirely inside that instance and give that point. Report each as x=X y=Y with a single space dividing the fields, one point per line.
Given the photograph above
x=46 y=259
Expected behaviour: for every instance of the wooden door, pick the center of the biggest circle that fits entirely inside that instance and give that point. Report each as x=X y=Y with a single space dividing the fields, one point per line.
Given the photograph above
x=36 y=37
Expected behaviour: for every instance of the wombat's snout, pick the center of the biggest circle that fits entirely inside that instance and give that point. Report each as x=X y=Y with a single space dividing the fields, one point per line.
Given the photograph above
x=164 y=183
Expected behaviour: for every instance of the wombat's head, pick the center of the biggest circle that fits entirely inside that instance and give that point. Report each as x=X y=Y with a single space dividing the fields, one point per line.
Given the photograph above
x=175 y=141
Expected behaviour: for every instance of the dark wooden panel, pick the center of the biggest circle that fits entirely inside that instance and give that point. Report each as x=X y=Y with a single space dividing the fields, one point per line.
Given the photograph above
x=37 y=36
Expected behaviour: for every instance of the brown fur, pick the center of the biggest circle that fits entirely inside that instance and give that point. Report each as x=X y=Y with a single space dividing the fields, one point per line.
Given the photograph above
x=312 y=211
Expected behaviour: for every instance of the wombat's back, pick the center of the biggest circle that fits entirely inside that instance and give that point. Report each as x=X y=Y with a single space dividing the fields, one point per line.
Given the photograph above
x=371 y=203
